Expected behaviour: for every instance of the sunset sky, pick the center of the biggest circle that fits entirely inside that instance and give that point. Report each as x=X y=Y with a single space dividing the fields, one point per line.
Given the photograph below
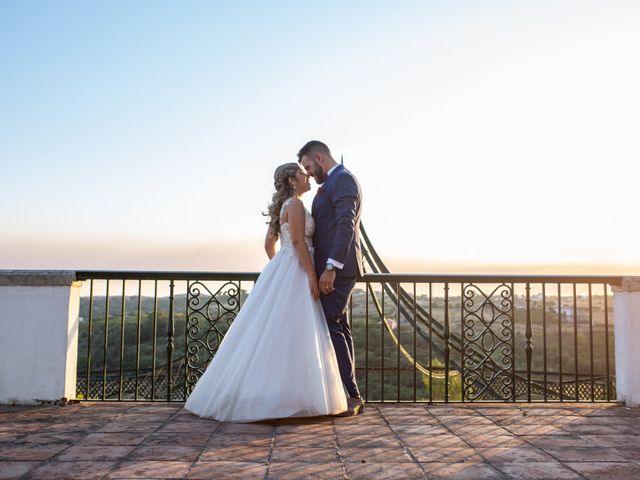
x=487 y=136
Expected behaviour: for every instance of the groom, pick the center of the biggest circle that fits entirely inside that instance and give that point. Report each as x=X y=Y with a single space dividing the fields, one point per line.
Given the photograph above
x=338 y=262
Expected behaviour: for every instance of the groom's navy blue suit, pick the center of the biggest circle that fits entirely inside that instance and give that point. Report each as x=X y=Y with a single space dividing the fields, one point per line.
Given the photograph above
x=336 y=211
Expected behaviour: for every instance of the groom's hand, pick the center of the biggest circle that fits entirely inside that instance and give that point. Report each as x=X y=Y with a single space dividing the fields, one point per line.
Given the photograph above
x=326 y=281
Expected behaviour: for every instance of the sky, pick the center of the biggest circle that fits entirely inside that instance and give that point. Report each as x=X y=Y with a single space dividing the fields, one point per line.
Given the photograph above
x=491 y=136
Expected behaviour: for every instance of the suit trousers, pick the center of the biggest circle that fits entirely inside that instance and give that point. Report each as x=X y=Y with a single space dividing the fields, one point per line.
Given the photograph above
x=335 y=309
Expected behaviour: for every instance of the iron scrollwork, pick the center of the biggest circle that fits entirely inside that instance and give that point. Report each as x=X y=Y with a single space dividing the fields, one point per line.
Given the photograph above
x=487 y=324
x=209 y=316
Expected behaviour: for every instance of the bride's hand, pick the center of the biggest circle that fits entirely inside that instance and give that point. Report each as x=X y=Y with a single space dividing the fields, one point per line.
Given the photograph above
x=313 y=284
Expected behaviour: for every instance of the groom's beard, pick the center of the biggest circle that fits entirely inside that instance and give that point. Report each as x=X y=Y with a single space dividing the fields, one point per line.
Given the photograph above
x=318 y=175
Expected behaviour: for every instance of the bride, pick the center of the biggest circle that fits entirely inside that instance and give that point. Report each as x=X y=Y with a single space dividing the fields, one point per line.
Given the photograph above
x=277 y=360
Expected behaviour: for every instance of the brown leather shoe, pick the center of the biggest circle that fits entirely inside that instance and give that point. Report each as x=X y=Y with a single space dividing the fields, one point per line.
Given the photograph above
x=355 y=405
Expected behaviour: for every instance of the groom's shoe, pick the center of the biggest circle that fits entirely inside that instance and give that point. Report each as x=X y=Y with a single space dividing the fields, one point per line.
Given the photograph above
x=355 y=405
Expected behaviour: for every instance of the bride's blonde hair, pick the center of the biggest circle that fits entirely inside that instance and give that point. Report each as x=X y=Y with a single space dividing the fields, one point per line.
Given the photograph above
x=284 y=190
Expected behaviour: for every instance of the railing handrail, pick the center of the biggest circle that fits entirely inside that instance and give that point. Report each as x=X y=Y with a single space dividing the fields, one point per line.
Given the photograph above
x=489 y=278
x=162 y=275
x=367 y=277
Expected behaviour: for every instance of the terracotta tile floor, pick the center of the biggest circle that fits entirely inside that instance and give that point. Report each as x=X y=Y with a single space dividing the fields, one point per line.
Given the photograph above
x=390 y=441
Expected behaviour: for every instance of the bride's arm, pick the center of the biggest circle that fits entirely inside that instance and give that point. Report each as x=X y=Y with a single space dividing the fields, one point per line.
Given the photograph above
x=295 y=212
x=270 y=243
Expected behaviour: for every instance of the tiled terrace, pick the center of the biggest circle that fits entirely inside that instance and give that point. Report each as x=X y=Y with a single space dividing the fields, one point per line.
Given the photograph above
x=144 y=440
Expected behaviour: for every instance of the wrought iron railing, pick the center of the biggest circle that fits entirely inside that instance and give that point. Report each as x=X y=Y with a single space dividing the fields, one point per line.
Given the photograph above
x=418 y=338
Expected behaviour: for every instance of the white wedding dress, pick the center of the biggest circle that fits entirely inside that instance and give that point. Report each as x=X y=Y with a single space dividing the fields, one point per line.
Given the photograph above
x=276 y=360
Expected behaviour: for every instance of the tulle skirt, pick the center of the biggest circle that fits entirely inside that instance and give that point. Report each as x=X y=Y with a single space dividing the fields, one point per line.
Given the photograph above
x=276 y=359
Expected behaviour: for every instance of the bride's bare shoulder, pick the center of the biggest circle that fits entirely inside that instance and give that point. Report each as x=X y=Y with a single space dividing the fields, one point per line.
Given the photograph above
x=295 y=201
x=295 y=209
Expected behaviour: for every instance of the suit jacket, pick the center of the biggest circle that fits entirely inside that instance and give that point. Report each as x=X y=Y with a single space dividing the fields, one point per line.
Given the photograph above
x=336 y=210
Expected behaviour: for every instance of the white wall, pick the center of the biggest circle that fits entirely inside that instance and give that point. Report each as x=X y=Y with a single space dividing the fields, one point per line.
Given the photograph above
x=39 y=340
x=626 y=317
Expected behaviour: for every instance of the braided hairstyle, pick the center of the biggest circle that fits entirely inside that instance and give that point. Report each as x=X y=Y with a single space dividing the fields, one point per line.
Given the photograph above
x=284 y=190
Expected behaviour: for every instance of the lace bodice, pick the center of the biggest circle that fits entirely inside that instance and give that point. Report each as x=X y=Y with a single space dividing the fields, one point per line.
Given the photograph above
x=285 y=231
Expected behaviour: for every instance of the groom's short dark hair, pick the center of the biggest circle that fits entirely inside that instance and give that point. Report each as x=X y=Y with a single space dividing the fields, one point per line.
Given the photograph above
x=312 y=147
